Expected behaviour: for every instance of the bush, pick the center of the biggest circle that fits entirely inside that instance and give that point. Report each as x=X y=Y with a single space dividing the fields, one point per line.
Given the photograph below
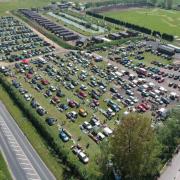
x=167 y=37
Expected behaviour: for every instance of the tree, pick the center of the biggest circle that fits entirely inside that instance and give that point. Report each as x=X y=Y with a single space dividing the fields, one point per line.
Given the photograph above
x=169 y=134
x=103 y=160
x=169 y=4
x=154 y=2
x=134 y=148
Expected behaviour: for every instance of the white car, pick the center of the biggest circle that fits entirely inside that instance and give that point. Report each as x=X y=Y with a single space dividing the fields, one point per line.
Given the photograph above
x=83 y=87
x=100 y=136
x=52 y=88
x=87 y=125
x=95 y=122
x=83 y=157
x=107 y=131
x=27 y=97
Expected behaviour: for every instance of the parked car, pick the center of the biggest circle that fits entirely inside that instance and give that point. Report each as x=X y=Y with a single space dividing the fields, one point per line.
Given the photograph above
x=72 y=115
x=63 y=136
x=87 y=125
x=51 y=121
x=83 y=157
x=82 y=112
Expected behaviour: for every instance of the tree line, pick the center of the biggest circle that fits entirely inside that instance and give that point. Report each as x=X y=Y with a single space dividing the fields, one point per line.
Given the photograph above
x=168 y=4
x=139 y=151
x=61 y=151
x=165 y=36
x=114 y=2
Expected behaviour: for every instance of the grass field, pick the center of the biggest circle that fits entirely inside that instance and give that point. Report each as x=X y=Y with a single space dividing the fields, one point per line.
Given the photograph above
x=7 y=5
x=4 y=169
x=167 y=21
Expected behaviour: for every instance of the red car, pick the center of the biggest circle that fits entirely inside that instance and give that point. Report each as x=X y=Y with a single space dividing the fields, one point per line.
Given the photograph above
x=55 y=100
x=72 y=104
x=29 y=76
x=161 y=80
x=82 y=94
x=96 y=102
x=141 y=108
x=145 y=106
x=44 y=82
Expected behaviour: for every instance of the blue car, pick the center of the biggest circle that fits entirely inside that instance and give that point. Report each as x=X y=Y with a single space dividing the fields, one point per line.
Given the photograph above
x=64 y=136
x=63 y=107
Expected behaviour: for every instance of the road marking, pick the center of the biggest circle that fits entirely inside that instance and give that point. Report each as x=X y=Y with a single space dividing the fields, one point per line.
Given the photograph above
x=4 y=128
x=14 y=145
x=18 y=150
x=23 y=159
x=31 y=174
x=11 y=138
x=19 y=153
x=8 y=134
x=13 y=142
x=29 y=169
x=22 y=163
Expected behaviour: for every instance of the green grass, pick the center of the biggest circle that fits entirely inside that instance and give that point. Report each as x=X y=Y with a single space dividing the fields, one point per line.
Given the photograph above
x=93 y=150
x=15 y=4
x=148 y=58
x=35 y=139
x=4 y=172
x=167 y=21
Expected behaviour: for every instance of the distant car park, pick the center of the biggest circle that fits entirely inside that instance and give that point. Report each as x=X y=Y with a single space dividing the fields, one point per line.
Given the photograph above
x=18 y=42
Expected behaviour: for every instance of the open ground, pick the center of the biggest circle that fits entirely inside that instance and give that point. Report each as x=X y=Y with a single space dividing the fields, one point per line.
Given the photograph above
x=166 y=21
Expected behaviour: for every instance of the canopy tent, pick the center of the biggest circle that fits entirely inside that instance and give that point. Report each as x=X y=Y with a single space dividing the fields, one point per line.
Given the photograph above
x=25 y=61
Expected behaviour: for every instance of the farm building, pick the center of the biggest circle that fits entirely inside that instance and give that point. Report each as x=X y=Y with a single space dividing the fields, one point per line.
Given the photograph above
x=124 y=34
x=71 y=37
x=81 y=42
x=51 y=26
x=166 y=50
x=177 y=49
x=97 y=39
x=132 y=33
x=114 y=36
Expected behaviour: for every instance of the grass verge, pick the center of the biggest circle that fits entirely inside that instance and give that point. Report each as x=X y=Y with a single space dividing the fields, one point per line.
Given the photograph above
x=4 y=172
x=35 y=139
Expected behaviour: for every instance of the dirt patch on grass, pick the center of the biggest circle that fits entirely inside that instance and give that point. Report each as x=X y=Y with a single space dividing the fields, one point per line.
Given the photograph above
x=5 y=63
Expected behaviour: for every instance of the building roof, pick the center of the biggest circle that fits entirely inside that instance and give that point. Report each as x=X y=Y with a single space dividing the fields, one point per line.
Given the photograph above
x=166 y=48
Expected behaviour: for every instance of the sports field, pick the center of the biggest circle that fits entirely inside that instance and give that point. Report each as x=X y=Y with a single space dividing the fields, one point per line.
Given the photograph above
x=167 y=21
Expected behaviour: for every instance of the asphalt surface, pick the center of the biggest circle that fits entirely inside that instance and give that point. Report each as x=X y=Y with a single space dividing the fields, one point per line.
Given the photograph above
x=23 y=161
x=172 y=171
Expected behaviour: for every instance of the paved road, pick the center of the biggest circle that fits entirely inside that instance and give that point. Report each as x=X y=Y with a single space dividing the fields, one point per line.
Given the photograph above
x=22 y=159
x=172 y=172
